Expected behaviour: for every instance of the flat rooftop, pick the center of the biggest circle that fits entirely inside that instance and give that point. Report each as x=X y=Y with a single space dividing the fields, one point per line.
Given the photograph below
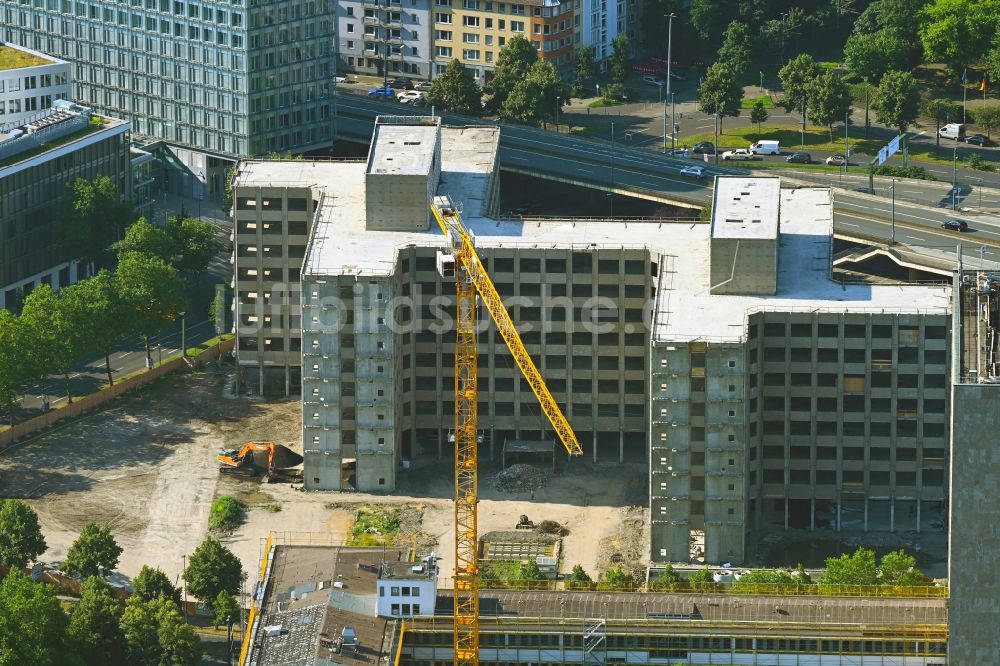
x=312 y=611
x=745 y=208
x=60 y=126
x=403 y=150
x=717 y=607
x=17 y=57
x=404 y=570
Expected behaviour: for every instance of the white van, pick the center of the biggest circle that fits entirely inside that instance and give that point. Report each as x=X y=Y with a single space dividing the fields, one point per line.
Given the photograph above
x=952 y=131
x=765 y=148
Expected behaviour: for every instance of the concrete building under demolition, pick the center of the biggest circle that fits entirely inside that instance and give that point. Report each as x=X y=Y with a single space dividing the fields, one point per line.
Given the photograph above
x=763 y=393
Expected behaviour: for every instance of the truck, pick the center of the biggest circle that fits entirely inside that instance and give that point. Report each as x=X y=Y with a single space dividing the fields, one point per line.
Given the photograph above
x=765 y=148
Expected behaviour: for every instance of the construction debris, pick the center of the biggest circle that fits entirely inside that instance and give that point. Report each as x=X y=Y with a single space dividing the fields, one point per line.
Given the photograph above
x=626 y=547
x=519 y=479
x=552 y=527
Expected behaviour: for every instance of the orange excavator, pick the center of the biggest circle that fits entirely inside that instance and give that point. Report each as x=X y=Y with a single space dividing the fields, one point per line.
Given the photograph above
x=255 y=458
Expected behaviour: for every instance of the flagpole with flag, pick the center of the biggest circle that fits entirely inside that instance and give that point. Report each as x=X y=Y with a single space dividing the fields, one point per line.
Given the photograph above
x=982 y=86
x=964 y=93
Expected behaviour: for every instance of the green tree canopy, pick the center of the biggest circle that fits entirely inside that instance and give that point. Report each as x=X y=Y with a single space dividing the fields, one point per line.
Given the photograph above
x=796 y=77
x=667 y=580
x=720 y=91
x=513 y=63
x=620 y=57
x=578 y=575
x=535 y=98
x=701 y=576
x=56 y=325
x=15 y=362
x=94 y=625
x=871 y=55
x=143 y=238
x=758 y=114
x=802 y=577
x=93 y=218
x=456 y=90
x=829 y=100
x=992 y=59
x=95 y=552
x=195 y=244
x=895 y=100
x=704 y=16
x=106 y=319
x=32 y=624
x=987 y=118
x=763 y=577
x=21 y=539
x=858 y=568
x=154 y=291
x=211 y=569
x=737 y=48
x=958 y=32
x=152 y=583
x=156 y=634
x=899 y=568
x=616 y=578
x=226 y=609
x=583 y=75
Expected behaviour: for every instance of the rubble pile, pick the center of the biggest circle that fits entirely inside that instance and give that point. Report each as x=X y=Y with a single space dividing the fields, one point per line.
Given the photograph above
x=519 y=479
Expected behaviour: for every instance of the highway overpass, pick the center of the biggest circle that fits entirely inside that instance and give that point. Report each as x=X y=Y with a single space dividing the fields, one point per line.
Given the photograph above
x=650 y=175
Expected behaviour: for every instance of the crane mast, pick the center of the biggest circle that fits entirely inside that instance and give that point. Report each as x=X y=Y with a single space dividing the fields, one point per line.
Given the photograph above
x=471 y=278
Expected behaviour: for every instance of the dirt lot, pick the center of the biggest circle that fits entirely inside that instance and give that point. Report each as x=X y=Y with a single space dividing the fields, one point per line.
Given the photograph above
x=146 y=466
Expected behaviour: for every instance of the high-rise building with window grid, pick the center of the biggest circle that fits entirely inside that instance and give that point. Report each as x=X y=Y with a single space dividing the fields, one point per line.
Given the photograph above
x=216 y=79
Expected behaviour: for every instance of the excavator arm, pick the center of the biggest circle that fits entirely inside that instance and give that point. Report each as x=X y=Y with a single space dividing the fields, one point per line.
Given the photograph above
x=465 y=253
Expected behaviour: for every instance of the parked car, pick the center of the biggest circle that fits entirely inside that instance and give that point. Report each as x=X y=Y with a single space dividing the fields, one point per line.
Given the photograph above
x=381 y=92
x=653 y=80
x=955 y=225
x=401 y=84
x=977 y=140
x=694 y=171
x=410 y=96
x=738 y=154
x=799 y=158
x=836 y=160
x=343 y=78
x=679 y=152
x=424 y=86
x=704 y=148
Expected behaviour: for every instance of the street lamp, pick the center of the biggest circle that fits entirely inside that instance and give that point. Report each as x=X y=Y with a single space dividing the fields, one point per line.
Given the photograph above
x=954 y=178
x=670 y=36
x=612 y=194
x=558 y=103
x=183 y=334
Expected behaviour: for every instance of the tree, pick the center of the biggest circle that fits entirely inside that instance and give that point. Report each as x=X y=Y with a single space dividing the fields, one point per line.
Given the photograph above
x=226 y=609
x=529 y=571
x=21 y=539
x=898 y=568
x=153 y=583
x=858 y=568
x=796 y=77
x=154 y=291
x=93 y=218
x=94 y=625
x=737 y=48
x=578 y=575
x=195 y=244
x=987 y=118
x=228 y=193
x=666 y=581
x=95 y=552
x=941 y=109
x=32 y=624
x=15 y=366
x=513 y=63
x=992 y=60
x=456 y=90
x=143 y=238
x=55 y=326
x=620 y=57
x=211 y=569
x=802 y=577
x=616 y=578
x=957 y=32
x=720 y=92
x=829 y=100
x=871 y=55
x=583 y=75
x=704 y=17
x=107 y=320
x=895 y=100
x=156 y=634
x=758 y=114
x=702 y=576
x=748 y=581
x=536 y=97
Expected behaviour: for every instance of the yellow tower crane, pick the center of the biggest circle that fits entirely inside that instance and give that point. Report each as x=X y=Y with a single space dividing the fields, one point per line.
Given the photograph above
x=471 y=278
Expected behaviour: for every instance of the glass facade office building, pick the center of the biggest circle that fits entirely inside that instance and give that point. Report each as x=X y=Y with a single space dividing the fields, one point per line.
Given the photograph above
x=233 y=78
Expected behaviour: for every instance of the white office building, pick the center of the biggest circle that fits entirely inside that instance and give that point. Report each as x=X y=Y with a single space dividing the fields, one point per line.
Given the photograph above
x=29 y=82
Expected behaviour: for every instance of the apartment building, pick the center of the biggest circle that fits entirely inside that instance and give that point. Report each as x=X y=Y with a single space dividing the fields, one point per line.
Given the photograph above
x=29 y=82
x=599 y=22
x=75 y=143
x=785 y=400
x=373 y=32
x=214 y=80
